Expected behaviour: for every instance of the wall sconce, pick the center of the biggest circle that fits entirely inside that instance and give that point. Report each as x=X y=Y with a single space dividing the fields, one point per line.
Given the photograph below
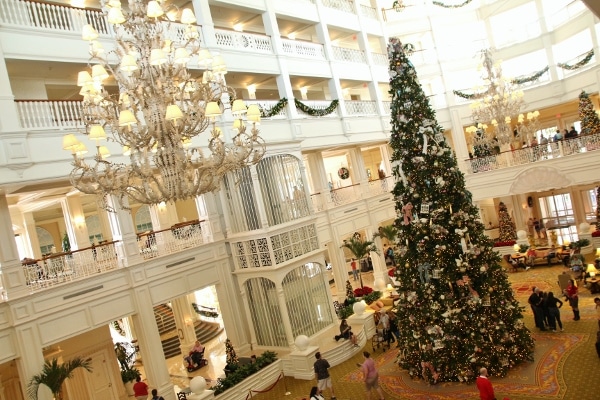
x=188 y=321
x=79 y=221
x=389 y=287
x=591 y=270
x=162 y=206
x=291 y=36
x=239 y=27
x=598 y=252
x=303 y=92
x=251 y=91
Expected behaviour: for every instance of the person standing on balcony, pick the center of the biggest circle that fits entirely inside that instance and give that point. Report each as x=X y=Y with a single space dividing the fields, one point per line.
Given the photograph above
x=572 y=133
x=558 y=136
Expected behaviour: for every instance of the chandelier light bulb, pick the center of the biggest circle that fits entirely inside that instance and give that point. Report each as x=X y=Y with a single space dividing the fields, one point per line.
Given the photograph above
x=97 y=133
x=103 y=152
x=115 y=16
x=253 y=110
x=89 y=33
x=204 y=58
x=173 y=113
x=126 y=118
x=84 y=78
x=126 y=151
x=212 y=109
x=99 y=73
x=154 y=9
x=80 y=149
x=157 y=57
x=114 y=3
x=219 y=64
x=238 y=107
x=96 y=48
x=182 y=56
x=188 y=17
x=128 y=63
x=69 y=142
x=191 y=32
x=124 y=99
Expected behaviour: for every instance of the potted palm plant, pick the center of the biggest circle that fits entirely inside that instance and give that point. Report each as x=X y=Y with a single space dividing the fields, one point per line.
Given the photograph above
x=390 y=233
x=53 y=376
x=126 y=353
x=361 y=249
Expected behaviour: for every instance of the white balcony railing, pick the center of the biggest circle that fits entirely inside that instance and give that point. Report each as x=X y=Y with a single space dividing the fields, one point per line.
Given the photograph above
x=341 y=5
x=244 y=41
x=42 y=114
x=51 y=16
x=351 y=55
x=330 y=199
x=303 y=49
x=368 y=11
x=173 y=240
x=387 y=107
x=361 y=107
x=59 y=268
x=529 y=155
x=380 y=59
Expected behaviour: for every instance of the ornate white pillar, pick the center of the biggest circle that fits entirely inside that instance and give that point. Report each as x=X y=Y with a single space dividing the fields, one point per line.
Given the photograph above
x=244 y=296
x=150 y=345
x=208 y=211
x=260 y=204
x=123 y=230
x=31 y=357
x=184 y=321
x=13 y=278
x=287 y=326
x=32 y=241
x=75 y=222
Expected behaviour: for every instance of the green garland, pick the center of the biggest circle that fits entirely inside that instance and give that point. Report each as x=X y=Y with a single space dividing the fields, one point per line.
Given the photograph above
x=205 y=311
x=276 y=109
x=579 y=64
x=469 y=96
x=313 y=112
x=440 y=4
x=533 y=77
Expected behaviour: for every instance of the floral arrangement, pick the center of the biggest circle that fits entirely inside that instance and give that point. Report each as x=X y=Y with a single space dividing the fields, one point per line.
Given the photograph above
x=363 y=291
x=392 y=272
x=343 y=173
x=505 y=243
x=596 y=234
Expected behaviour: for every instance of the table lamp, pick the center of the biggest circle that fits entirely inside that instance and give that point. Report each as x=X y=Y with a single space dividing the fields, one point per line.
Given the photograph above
x=516 y=247
x=598 y=252
x=591 y=270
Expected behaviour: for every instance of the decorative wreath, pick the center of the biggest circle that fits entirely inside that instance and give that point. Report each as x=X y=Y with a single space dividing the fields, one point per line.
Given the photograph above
x=343 y=173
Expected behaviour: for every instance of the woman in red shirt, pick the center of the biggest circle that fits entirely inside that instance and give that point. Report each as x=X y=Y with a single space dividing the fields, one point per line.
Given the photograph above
x=571 y=293
x=140 y=389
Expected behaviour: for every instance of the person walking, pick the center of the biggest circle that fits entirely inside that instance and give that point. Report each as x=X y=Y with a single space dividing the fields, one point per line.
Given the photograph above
x=553 y=305
x=535 y=300
x=371 y=376
x=571 y=293
x=354 y=270
x=321 y=368
x=597 y=302
x=140 y=389
x=486 y=391
x=155 y=395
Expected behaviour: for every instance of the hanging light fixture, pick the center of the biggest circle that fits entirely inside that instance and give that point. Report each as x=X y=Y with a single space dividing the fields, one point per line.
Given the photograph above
x=160 y=112
x=498 y=104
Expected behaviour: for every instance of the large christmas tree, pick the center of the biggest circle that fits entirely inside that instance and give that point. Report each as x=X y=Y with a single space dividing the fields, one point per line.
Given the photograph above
x=590 y=123
x=506 y=226
x=457 y=311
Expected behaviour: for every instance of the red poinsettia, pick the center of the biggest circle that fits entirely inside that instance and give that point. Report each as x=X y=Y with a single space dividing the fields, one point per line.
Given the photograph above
x=360 y=292
x=505 y=243
x=392 y=272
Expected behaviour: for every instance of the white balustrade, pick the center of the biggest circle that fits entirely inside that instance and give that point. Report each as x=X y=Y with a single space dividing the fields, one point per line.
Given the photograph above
x=51 y=16
x=368 y=11
x=303 y=49
x=341 y=5
x=387 y=107
x=528 y=155
x=59 y=268
x=380 y=59
x=44 y=114
x=173 y=240
x=360 y=107
x=351 y=55
x=244 y=41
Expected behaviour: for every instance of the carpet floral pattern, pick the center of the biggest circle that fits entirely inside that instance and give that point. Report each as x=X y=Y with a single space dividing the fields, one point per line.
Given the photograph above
x=542 y=377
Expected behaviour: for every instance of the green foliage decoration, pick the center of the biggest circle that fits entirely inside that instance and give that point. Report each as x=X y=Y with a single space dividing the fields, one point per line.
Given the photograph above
x=126 y=353
x=275 y=110
x=205 y=311
x=579 y=64
x=314 y=112
x=530 y=78
x=240 y=373
x=53 y=376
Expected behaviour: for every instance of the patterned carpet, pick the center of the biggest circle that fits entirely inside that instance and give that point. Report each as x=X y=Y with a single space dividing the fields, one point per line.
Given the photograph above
x=566 y=365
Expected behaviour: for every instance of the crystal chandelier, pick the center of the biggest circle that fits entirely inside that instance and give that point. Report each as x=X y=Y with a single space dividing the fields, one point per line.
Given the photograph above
x=160 y=111
x=498 y=102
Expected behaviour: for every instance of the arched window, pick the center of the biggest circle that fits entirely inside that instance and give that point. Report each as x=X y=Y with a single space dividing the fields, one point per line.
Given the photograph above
x=265 y=312
x=94 y=228
x=241 y=202
x=45 y=239
x=143 y=221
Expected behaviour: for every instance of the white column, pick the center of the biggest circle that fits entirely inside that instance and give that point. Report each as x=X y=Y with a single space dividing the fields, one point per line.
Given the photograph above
x=13 y=278
x=75 y=222
x=151 y=349
x=202 y=13
x=209 y=211
x=123 y=230
x=359 y=171
x=287 y=326
x=31 y=358
x=339 y=268
x=459 y=140
x=32 y=241
x=9 y=117
x=184 y=321
x=244 y=296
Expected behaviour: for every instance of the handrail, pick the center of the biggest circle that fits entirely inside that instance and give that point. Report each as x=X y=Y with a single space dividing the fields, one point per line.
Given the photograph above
x=67 y=253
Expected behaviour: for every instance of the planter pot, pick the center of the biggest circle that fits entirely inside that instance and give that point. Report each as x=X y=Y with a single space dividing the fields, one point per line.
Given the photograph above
x=129 y=388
